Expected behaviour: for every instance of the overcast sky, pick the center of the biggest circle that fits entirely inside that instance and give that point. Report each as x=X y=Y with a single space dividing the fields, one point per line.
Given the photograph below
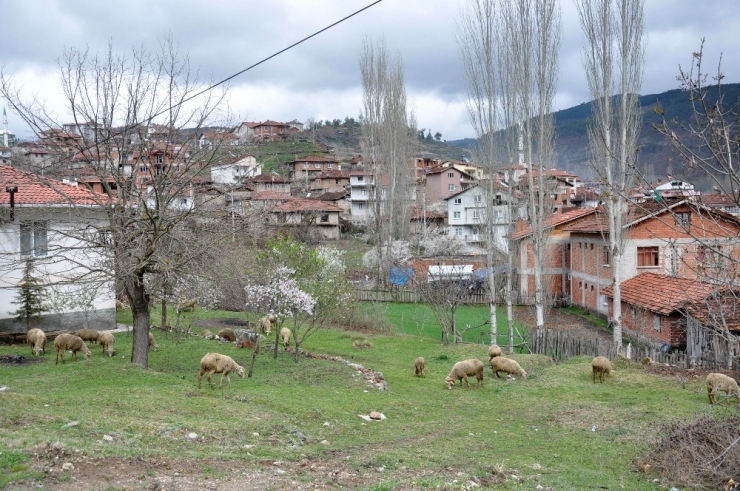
x=320 y=78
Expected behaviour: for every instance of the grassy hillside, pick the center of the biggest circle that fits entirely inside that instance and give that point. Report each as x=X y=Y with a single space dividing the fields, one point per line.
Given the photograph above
x=555 y=429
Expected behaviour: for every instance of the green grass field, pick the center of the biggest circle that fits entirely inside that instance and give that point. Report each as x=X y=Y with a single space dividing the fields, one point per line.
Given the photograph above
x=539 y=429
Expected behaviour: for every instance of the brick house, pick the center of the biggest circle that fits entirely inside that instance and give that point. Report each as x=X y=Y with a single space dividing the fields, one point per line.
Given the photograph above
x=269 y=182
x=676 y=312
x=556 y=255
x=327 y=182
x=311 y=165
x=681 y=240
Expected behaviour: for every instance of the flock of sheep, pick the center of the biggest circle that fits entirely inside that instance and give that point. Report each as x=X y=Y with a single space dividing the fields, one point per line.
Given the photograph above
x=213 y=363
x=600 y=368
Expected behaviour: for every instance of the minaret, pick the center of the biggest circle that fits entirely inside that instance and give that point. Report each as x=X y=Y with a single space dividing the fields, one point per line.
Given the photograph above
x=5 y=129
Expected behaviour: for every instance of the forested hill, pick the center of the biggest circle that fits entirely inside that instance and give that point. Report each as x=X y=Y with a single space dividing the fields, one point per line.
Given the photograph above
x=656 y=158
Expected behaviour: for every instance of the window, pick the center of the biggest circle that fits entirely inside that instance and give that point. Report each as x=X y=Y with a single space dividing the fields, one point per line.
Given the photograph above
x=477 y=198
x=450 y=187
x=330 y=165
x=142 y=168
x=683 y=219
x=607 y=256
x=656 y=322
x=360 y=206
x=647 y=257
x=458 y=231
x=360 y=178
x=604 y=300
x=458 y=201
x=451 y=175
x=160 y=158
x=476 y=231
x=456 y=215
x=364 y=192
x=268 y=185
x=476 y=215
x=325 y=218
x=317 y=165
x=34 y=240
x=498 y=213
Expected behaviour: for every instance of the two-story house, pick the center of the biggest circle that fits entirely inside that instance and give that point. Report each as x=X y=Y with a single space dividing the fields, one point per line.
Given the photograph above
x=52 y=225
x=235 y=170
x=270 y=182
x=304 y=168
x=328 y=182
x=362 y=191
x=440 y=182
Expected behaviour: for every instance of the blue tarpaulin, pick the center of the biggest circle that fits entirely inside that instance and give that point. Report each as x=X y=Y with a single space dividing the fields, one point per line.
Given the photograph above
x=400 y=276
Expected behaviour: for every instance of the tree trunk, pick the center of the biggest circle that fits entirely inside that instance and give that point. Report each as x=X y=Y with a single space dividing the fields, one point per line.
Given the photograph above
x=135 y=291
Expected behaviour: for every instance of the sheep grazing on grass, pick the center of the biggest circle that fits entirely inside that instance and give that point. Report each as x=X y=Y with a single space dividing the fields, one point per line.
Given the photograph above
x=267 y=323
x=65 y=342
x=88 y=335
x=285 y=334
x=227 y=334
x=420 y=367
x=500 y=364
x=493 y=351
x=152 y=342
x=464 y=369
x=717 y=382
x=107 y=343
x=186 y=306
x=602 y=367
x=216 y=363
x=207 y=334
x=37 y=340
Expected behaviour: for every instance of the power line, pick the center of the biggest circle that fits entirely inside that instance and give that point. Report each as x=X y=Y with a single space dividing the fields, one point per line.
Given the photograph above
x=266 y=59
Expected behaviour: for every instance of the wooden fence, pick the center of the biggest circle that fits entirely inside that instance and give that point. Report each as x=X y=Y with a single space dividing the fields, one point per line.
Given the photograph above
x=561 y=345
x=411 y=296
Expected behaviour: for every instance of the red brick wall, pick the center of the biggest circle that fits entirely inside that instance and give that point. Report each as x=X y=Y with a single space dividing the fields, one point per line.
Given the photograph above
x=642 y=322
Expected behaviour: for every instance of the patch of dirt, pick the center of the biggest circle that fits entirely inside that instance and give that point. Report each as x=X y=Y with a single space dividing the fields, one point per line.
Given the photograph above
x=220 y=323
x=563 y=321
x=161 y=474
x=19 y=359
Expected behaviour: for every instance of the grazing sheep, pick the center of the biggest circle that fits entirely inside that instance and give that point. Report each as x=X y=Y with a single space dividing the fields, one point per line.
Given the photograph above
x=493 y=351
x=119 y=305
x=266 y=324
x=37 y=340
x=107 y=343
x=506 y=365
x=464 y=369
x=87 y=334
x=420 y=367
x=186 y=306
x=217 y=363
x=602 y=367
x=65 y=342
x=152 y=342
x=717 y=382
x=285 y=336
x=227 y=334
x=207 y=334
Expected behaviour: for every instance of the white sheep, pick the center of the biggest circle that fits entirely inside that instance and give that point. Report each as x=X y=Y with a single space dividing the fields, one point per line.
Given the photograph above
x=218 y=363
x=493 y=351
x=107 y=343
x=87 y=334
x=65 y=342
x=717 y=382
x=464 y=369
x=152 y=342
x=186 y=306
x=285 y=334
x=37 y=340
x=420 y=367
x=266 y=324
x=506 y=365
x=207 y=334
x=602 y=367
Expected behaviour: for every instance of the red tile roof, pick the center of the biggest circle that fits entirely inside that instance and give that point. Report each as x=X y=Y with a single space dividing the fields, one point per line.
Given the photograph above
x=661 y=293
x=331 y=196
x=271 y=196
x=556 y=220
x=269 y=178
x=37 y=190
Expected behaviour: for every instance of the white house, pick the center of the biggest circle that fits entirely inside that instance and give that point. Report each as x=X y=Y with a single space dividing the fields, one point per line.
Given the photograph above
x=467 y=217
x=52 y=225
x=235 y=170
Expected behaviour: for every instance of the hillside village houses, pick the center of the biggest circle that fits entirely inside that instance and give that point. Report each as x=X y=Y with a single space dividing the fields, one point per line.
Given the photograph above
x=316 y=195
x=42 y=226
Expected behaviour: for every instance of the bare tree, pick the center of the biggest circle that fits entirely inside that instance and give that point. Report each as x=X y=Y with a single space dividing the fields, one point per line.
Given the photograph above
x=613 y=57
x=477 y=40
x=532 y=27
x=135 y=131
x=387 y=140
